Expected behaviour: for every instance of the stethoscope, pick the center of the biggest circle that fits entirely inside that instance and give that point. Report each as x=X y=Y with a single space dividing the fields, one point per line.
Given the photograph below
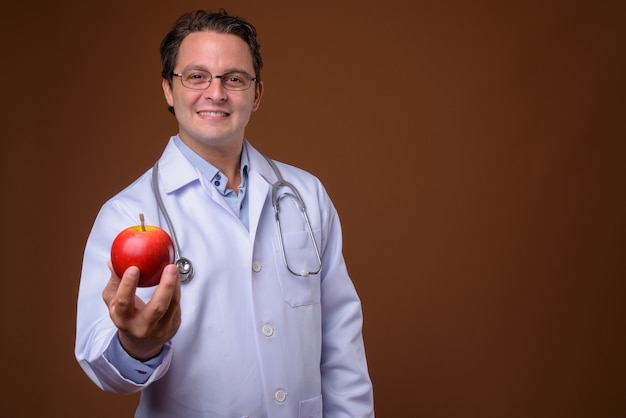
x=185 y=266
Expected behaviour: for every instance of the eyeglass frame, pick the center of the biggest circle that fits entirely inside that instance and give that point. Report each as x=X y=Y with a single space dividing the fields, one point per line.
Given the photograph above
x=221 y=77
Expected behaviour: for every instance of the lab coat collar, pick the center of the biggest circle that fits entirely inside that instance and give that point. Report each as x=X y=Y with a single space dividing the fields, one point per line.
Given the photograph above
x=177 y=171
x=259 y=164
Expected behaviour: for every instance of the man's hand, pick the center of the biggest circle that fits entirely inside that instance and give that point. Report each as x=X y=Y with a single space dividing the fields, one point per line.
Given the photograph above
x=144 y=328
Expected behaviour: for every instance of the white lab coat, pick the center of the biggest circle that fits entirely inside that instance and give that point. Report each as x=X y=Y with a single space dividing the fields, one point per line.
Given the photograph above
x=255 y=340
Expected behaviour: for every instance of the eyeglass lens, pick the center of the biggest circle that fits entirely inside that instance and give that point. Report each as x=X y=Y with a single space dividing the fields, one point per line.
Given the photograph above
x=200 y=80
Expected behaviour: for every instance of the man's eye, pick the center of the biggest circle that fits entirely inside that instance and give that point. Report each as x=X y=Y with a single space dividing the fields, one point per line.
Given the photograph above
x=196 y=77
x=234 y=79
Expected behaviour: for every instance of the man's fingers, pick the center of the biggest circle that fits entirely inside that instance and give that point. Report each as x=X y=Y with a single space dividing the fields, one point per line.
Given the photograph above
x=166 y=297
x=110 y=290
x=120 y=294
x=129 y=282
x=173 y=314
x=159 y=319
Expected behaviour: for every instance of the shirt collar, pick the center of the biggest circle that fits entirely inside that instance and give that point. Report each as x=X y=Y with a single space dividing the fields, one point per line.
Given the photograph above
x=208 y=170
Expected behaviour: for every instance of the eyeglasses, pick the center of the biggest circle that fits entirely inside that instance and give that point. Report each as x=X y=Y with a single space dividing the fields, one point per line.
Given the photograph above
x=200 y=80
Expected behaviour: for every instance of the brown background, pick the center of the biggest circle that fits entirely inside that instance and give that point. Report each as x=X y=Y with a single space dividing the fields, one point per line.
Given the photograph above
x=475 y=152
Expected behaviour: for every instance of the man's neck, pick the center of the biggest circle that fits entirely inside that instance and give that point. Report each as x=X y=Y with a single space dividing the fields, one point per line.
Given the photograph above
x=225 y=157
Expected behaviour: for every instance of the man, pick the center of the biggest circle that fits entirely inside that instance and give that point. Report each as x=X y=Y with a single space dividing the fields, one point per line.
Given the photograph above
x=260 y=330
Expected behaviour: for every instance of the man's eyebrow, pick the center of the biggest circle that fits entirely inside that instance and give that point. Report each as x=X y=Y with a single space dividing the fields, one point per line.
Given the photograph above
x=195 y=67
x=203 y=68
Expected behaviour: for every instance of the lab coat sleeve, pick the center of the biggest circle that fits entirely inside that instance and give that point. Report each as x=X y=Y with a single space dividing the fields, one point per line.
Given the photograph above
x=94 y=329
x=346 y=386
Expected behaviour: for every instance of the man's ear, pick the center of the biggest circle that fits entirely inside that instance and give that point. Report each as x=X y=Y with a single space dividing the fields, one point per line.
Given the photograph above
x=167 y=92
x=257 y=96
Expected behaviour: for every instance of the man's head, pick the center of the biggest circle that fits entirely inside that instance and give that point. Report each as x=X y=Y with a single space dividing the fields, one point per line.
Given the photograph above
x=199 y=21
x=216 y=61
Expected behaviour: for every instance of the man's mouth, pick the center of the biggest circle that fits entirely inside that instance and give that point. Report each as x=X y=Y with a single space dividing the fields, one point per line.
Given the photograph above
x=214 y=114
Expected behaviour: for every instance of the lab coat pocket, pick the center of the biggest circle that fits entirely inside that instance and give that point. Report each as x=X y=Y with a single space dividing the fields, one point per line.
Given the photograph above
x=301 y=256
x=311 y=408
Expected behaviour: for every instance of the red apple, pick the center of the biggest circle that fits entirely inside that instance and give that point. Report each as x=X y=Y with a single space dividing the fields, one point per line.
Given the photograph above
x=149 y=248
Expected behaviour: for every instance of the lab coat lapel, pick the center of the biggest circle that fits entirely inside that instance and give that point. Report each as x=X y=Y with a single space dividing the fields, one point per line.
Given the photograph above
x=261 y=178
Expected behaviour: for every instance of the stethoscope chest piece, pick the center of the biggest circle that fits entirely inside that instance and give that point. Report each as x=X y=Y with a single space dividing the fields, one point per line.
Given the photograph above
x=185 y=269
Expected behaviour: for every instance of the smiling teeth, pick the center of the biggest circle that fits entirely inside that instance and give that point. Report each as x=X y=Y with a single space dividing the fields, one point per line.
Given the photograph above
x=219 y=114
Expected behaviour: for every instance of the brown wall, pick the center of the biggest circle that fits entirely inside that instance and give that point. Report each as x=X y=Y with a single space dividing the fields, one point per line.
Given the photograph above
x=475 y=151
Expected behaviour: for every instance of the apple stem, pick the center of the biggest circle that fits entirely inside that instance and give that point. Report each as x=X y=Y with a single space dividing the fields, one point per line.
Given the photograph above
x=143 y=222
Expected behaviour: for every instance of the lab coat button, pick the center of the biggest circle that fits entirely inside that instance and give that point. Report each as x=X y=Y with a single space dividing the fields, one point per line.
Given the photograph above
x=256 y=266
x=280 y=396
x=268 y=330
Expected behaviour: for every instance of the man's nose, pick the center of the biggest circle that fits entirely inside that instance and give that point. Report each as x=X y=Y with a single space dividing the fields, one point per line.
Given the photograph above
x=215 y=91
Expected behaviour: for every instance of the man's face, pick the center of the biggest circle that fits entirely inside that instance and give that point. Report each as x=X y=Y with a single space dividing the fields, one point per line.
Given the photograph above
x=214 y=118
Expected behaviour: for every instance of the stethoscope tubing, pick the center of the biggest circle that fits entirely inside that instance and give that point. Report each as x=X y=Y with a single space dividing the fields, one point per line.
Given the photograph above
x=185 y=266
